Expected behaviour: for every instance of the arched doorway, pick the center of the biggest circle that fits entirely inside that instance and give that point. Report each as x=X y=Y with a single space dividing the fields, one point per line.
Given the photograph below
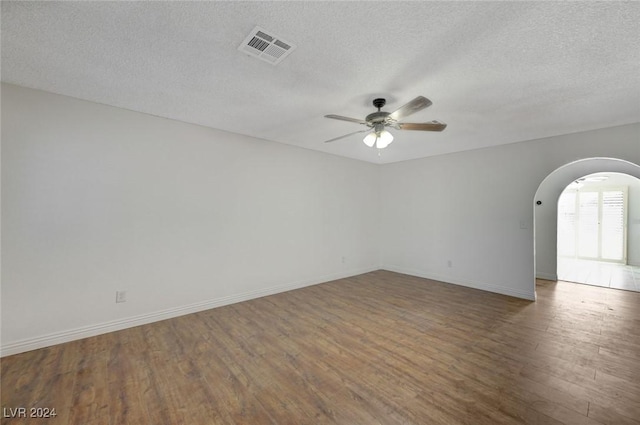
x=545 y=211
x=598 y=234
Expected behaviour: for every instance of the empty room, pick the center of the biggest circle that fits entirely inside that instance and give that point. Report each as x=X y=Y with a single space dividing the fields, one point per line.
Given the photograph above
x=313 y=212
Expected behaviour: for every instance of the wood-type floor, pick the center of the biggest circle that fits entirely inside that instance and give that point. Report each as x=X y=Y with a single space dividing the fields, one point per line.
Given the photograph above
x=379 y=348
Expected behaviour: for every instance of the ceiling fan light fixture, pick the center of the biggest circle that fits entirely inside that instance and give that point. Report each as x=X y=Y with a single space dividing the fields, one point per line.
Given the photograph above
x=379 y=137
x=370 y=139
x=384 y=139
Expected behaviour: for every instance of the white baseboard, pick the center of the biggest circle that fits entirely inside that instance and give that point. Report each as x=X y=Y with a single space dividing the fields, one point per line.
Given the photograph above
x=527 y=295
x=142 y=319
x=546 y=276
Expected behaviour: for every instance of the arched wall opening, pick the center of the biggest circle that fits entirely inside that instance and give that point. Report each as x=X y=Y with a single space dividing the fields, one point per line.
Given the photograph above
x=545 y=211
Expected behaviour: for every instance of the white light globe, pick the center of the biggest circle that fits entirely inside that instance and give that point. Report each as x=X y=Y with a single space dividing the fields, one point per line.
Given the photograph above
x=384 y=139
x=370 y=139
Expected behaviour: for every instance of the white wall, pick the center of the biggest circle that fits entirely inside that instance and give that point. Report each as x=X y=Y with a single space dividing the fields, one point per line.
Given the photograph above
x=97 y=199
x=475 y=208
x=633 y=223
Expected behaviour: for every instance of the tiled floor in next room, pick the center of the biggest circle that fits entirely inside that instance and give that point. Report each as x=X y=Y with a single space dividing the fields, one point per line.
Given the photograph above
x=609 y=275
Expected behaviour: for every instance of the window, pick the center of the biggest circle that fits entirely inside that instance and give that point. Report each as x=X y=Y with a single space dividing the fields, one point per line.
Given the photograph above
x=592 y=224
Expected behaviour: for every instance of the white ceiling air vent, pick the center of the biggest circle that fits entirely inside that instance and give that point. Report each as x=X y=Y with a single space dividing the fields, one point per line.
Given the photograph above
x=266 y=46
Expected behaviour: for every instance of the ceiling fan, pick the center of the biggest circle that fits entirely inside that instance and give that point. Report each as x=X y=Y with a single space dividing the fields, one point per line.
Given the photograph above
x=378 y=121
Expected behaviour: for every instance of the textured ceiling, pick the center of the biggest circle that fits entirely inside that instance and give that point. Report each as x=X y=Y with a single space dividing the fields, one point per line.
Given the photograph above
x=497 y=72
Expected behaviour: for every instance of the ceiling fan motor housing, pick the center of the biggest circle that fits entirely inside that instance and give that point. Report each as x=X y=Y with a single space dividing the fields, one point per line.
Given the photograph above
x=377 y=117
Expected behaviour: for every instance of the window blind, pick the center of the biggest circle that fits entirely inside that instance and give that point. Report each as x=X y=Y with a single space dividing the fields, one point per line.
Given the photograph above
x=591 y=224
x=612 y=225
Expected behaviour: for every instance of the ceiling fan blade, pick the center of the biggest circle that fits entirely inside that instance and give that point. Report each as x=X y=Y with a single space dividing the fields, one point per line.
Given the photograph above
x=346 y=135
x=340 y=117
x=424 y=126
x=412 y=107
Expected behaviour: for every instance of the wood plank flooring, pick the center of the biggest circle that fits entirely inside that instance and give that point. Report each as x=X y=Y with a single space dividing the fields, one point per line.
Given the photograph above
x=379 y=348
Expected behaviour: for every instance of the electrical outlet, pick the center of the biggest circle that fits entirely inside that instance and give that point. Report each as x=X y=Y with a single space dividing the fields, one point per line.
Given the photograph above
x=344 y=260
x=121 y=296
x=449 y=263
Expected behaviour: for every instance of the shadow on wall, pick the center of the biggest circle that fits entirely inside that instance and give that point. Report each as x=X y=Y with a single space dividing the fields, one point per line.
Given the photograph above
x=545 y=208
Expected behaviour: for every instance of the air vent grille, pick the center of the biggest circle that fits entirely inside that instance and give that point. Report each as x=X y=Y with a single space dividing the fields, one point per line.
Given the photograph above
x=258 y=44
x=266 y=46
